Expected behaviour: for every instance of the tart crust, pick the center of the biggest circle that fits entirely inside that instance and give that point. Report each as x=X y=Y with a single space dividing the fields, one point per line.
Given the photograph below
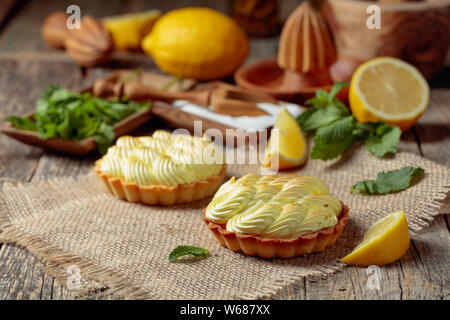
x=275 y=248
x=160 y=194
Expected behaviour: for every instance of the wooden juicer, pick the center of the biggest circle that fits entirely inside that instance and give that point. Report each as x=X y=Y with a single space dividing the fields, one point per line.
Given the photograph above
x=306 y=50
x=305 y=53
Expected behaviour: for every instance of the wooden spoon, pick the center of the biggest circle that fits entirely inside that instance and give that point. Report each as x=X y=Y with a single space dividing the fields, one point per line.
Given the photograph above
x=138 y=91
x=236 y=103
x=224 y=100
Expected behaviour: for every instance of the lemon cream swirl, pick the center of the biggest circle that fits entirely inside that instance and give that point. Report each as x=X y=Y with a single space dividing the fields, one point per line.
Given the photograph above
x=163 y=159
x=274 y=207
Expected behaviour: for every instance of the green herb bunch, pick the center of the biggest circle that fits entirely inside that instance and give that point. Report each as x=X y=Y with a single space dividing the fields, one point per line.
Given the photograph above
x=61 y=113
x=336 y=130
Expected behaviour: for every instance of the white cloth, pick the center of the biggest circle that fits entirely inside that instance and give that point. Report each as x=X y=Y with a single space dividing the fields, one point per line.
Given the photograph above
x=244 y=122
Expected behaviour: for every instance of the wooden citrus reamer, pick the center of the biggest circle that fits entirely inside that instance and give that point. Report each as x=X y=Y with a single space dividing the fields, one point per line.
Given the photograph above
x=306 y=49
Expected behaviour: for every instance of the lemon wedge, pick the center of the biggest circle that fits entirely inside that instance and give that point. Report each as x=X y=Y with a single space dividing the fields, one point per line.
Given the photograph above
x=287 y=146
x=128 y=30
x=388 y=89
x=386 y=241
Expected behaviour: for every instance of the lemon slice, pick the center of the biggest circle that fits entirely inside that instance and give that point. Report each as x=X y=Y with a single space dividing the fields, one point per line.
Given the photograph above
x=287 y=146
x=388 y=89
x=386 y=241
x=128 y=30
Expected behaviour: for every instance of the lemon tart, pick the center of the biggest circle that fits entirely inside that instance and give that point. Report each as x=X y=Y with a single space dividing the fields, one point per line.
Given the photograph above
x=162 y=169
x=275 y=217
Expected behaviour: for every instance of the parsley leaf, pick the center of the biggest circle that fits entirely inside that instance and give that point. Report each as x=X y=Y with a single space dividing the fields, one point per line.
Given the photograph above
x=390 y=181
x=187 y=250
x=333 y=139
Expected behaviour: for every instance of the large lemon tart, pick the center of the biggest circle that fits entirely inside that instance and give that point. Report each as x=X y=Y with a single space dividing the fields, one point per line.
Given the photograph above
x=275 y=217
x=162 y=169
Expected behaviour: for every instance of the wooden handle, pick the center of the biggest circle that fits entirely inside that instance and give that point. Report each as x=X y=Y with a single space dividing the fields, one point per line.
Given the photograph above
x=236 y=102
x=138 y=91
x=107 y=88
x=237 y=108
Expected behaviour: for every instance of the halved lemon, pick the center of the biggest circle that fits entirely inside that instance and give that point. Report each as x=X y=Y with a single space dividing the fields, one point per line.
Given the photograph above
x=128 y=30
x=385 y=242
x=388 y=89
x=287 y=146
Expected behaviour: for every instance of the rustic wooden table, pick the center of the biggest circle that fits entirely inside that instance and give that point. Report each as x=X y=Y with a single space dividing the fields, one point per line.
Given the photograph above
x=27 y=65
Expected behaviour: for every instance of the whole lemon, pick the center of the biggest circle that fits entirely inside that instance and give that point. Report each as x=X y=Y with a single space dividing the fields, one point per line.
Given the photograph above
x=197 y=43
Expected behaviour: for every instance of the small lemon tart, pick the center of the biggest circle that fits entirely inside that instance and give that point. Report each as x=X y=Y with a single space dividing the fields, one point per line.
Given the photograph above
x=162 y=169
x=275 y=217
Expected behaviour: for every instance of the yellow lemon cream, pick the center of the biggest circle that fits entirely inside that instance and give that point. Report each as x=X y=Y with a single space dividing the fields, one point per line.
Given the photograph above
x=162 y=159
x=274 y=207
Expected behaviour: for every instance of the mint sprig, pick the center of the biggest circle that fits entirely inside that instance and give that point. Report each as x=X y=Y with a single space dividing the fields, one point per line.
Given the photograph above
x=383 y=140
x=61 y=113
x=333 y=139
x=390 y=181
x=188 y=250
x=336 y=130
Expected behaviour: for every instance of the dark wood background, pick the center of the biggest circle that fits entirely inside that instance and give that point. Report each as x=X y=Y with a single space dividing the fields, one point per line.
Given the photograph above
x=27 y=64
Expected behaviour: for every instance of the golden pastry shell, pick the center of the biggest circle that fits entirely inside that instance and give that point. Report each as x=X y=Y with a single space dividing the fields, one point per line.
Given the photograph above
x=253 y=245
x=160 y=194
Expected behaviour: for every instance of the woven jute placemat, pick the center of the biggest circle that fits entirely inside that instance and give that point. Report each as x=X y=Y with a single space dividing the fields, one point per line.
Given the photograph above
x=74 y=224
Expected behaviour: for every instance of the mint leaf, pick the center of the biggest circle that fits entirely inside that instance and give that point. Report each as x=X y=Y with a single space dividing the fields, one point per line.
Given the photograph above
x=390 y=181
x=384 y=141
x=325 y=109
x=334 y=139
x=104 y=137
x=320 y=100
x=336 y=88
x=336 y=130
x=187 y=250
x=317 y=117
x=22 y=123
x=324 y=98
x=61 y=113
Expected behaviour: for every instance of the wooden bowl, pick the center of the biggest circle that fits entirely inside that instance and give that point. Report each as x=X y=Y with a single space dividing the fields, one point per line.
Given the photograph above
x=267 y=77
x=75 y=147
x=417 y=32
x=133 y=121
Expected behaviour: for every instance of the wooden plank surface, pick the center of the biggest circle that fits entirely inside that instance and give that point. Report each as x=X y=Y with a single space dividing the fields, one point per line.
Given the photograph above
x=422 y=273
x=6 y=10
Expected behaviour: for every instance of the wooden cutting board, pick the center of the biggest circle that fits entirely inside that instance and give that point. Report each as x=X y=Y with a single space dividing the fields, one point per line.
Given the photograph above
x=173 y=116
x=177 y=118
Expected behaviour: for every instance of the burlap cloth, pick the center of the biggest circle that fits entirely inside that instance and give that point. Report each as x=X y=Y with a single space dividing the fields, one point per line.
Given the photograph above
x=124 y=247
